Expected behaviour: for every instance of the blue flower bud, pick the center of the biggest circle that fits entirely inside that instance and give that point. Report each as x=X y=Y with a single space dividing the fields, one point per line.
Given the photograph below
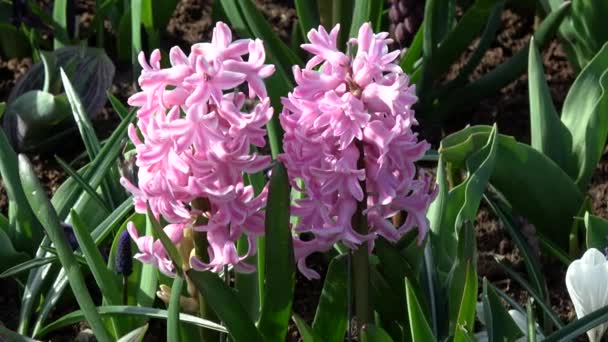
x=124 y=258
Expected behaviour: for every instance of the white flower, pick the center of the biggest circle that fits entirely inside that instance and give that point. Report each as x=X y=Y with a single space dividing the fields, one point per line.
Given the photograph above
x=587 y=283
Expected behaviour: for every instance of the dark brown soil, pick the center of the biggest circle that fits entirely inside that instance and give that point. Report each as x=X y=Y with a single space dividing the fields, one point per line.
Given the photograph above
x=192 y=23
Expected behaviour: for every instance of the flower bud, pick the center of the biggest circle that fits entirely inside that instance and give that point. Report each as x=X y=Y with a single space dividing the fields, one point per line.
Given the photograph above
x=124 y=257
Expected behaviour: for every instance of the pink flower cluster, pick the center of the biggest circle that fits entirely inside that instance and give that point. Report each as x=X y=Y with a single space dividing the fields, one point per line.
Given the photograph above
x=348 y=138
x=193 y=142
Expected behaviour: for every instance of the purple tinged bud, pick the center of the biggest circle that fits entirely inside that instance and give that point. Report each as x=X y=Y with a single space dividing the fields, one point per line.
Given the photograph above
x=124 y=257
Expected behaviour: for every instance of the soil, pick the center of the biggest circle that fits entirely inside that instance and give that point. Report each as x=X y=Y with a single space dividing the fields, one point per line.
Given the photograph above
x=192 y=23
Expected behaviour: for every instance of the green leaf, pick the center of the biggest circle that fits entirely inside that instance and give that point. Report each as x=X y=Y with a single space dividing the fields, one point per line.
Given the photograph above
x=531 y=261
x=499 y=323
x=580 y=326
x=246 y=284
x=280 y=260
x=174 y=309
x=331 y=318
x=526 y=178
x=308 y=15
x=13 y=42
x=48 y=217
x=549 y=135
x=361 y=14
x=596 y=231
x=60 y=17
x=82 y=183
x=584 y=116
x=502 y=75
x=13 y=336
x=77 y=316
x=226 y=305
x=413 y=53
x=9 y=257
x=468 y=304
x=136 y=45
x=25 y=231
x=531 y=332
x=135 y=335
x=25 y=266
x=373 y=333
x=119 y=108
x=306 y=332
x=420 y=329
x=148 y=281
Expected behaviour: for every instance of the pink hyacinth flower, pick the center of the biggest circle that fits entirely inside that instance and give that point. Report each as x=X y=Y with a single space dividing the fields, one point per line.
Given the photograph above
x=346 y=112
x=193 y=141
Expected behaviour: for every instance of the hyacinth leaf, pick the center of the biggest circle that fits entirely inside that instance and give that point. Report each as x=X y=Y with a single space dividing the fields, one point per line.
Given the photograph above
x=538 y=299
x=413 y=53
x=226 y=305
x=502 y=75
x=530 y=259
x=583 y=114
x=525 y=177
x=331 y=317
x=279 y=258
x=468 y=302
x=135 y=311
x=498 y=322
x=596 y=231
x=458 y=279
x=68 y=194
x=420 y=328
x=106 y=281
x=246 y=284
x=361 y=14
x=9 y=257
x=549 y=135
x=306 y=332
x=83 y=184
x=232 y=11
x=373 y=333
x=580 y=326
x=25 y=266
x=485 y=41
x=134 y=335
x=119 y=108
x=461 y=36
x=60 y=9
x=148 y=281
x=48 y=217
x=10 y=335
x=173 y=328
x=387 y=303
x=136 y=43
x=24 y=231
x=308 y=15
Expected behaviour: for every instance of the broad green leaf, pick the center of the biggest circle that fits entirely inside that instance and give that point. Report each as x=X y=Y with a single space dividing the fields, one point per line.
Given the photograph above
x=361 y=14
x=173 y=329
x=48 y=217
x=25 y=266
x=280 y=260
x=584 y=115
x=332 y=316
x=499 y=324
x=148 y=281
x=588 y=28
x=549 y=135
x=308 y=15
x=136 y=43
x=246 y=284
x=226 y=305
x=468 y=302
x=420 y=329
x=77 y=316
x=306 y=332
x=60 y=16
x=596 y=231
x=12 y=336
x=526 y=178
x=13 y=43
x=374 y=333
x=9 y=257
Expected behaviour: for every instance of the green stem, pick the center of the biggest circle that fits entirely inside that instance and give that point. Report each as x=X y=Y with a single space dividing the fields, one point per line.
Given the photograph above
x=261 y=242
x=361 y=256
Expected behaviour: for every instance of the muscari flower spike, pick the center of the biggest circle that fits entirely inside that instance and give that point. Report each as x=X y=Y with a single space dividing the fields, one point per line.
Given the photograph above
x=124 y=257
x=193 y=138
x=348 y=123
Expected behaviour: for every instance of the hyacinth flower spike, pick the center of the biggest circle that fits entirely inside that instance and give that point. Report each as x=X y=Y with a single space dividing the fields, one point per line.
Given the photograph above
x=349 y=140
x=192 y=139
x=587 y=283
